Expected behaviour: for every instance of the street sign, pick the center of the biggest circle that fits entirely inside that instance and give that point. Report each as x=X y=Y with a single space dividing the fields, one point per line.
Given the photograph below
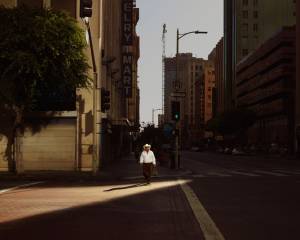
x=168 y=129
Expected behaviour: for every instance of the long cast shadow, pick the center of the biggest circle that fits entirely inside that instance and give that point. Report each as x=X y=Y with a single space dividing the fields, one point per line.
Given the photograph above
x=127 y=187
x=129 y=217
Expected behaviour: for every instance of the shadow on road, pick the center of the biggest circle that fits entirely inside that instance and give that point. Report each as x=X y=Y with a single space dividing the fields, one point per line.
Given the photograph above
x=126 y=187
x=79 y=211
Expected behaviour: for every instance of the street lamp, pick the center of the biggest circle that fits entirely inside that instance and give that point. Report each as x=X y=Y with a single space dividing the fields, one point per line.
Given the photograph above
x=177 y=87
x=178 y=37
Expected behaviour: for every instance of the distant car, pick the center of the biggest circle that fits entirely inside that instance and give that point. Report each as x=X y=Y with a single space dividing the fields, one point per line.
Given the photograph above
x=227 y=150
x=236 y=152
x=220 y=150
x=195 y=149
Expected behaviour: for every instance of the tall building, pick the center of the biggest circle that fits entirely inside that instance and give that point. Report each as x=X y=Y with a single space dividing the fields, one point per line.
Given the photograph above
x=120 y=55
x=229 y=52
x=86 y=137
x=257 y=20
x=133 y=114
x=248 y=24
x=209 y=86
x=265 y=83
x=196 y=77
x=297 y=95
x=218 y=59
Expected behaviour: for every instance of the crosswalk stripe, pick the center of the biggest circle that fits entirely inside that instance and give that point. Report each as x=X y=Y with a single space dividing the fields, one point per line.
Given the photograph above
x=288 y=172
x=271 y=173
x=219 y=174
x=244 y=173
x=198 y=175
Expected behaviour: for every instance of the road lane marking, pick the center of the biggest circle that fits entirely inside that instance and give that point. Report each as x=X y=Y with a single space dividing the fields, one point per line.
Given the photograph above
x=207 y=225
x=20 y=186
x=219 y=174
x=288 y=172
x=244 y=173
x=198 y=175
x=271 y=173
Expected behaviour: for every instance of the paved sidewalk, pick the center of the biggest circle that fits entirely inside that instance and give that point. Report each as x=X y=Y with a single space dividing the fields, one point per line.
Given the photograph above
x=110 y=210
x=126 y=168
x=129 y=168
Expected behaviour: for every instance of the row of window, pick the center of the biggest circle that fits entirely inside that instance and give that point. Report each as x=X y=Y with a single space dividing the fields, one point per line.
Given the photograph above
x=246 y=27
x=197 y=67
x=246 y=2
x=245 y=14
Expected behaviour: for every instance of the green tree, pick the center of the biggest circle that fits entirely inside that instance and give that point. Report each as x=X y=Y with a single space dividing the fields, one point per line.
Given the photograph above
x=232 y=122
x=41 y=62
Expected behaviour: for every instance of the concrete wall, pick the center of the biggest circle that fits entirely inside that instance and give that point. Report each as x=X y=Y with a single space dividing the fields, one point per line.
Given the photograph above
x=3 y=160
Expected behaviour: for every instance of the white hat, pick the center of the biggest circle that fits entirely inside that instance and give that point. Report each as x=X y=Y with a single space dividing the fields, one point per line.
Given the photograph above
x=147 y=146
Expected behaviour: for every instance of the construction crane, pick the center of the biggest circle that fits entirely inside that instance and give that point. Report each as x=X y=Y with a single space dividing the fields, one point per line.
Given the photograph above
x=163 y=67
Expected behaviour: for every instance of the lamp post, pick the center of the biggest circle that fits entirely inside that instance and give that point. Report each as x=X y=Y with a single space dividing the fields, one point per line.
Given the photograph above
x=177 y=87
x=178 y=37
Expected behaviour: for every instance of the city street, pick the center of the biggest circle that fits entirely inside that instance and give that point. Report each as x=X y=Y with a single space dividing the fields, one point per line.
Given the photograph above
x=236 y=199
x=247 y=197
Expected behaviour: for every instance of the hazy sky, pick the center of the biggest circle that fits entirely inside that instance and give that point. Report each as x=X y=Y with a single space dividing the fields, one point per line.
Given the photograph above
x=187 y=15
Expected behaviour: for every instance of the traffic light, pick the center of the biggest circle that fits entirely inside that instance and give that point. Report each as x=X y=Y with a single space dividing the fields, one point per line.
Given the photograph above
x=175 y=110
x=86 y=8
x=105 y=100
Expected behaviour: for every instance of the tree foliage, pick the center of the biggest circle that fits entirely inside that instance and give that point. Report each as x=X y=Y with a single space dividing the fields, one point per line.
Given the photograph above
x=235 y=121
x=41 y=64
x=41 y=57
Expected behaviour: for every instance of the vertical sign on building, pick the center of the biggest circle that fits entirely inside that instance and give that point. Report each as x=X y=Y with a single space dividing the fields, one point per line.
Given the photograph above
x=127 y=42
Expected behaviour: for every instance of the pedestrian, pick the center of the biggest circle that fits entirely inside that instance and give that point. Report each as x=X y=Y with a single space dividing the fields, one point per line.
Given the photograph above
x=148 y=162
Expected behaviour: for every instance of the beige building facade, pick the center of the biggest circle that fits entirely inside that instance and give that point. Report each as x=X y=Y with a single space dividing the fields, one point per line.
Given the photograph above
x=86 y=138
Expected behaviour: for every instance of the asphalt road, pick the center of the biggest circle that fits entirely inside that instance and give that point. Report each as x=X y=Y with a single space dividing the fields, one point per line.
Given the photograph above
x=224 y=197
x=247 y=197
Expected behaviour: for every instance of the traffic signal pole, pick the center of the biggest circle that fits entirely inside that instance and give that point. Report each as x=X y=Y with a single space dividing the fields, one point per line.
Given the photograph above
x=175 y=112
x=95 y=161
x=177 y=145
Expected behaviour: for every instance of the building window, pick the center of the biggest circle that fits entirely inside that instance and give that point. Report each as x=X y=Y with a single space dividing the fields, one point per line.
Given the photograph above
x=31 y=3
x=245 y=27
x=245 y=52
x=245 y=2
x=255 y=14
x=255 y=27
x=245 y=14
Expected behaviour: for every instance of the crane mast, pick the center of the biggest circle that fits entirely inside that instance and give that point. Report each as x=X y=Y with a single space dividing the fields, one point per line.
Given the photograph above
x=163 y=68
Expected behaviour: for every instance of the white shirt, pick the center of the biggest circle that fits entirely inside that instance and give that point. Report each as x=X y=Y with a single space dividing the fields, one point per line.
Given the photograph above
x=147 y=157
